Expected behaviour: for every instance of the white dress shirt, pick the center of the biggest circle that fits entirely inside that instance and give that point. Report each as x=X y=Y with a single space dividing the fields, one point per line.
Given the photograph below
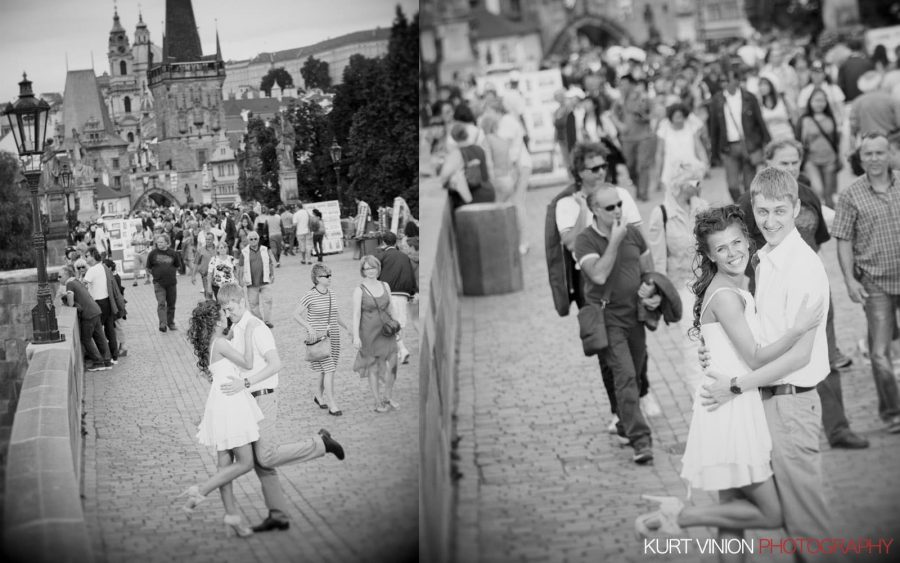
x=733 y=106
x=263 y=342
x=95 y=281
x=788 y=273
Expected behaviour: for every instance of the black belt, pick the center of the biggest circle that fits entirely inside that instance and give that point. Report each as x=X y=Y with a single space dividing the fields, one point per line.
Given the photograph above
x=784 y=389
x=262 y=392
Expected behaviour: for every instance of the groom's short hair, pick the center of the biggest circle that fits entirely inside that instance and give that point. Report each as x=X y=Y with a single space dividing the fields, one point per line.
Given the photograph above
x=774 y=183
x=230 y=293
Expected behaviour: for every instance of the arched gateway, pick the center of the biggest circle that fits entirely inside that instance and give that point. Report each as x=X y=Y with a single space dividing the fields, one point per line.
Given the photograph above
x=159 y=196
x=599 y=30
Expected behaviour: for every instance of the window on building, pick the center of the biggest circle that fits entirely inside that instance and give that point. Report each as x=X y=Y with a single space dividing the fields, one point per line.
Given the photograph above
x=127 y=102
x=201 y=157
x=123 y=68
x=130 y=137
x=115 y=164
x=117 y=181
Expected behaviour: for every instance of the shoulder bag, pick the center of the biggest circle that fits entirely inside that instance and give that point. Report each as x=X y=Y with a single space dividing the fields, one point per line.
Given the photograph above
x=592 y=326
x=389 y=326
x=319 y=348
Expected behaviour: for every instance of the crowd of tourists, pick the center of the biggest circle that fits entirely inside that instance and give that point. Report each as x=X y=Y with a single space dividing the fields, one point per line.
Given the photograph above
x=745 y=279
x=237 y=252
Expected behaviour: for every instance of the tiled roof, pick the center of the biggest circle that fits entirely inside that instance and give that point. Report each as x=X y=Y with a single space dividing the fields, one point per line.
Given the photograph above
x=82 y=102
x=377 y=34
x=102 y=191
x=182 y=42
x=259 y=106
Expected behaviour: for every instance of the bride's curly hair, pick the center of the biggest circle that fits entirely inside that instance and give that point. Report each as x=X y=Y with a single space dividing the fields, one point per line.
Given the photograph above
x=202 y=326
x=710 y=221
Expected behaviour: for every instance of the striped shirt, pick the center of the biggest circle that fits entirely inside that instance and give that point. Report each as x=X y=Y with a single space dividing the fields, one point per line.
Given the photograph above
x=869 y=220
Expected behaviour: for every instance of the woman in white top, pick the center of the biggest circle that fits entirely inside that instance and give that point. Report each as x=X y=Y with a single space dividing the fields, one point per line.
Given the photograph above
x=729 y=448
x=776 y=110
x=678 y=146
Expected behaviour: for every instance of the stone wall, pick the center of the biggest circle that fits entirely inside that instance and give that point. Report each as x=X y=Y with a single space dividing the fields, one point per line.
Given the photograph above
x=437 y=372
x=18 y=295
x=43 y=518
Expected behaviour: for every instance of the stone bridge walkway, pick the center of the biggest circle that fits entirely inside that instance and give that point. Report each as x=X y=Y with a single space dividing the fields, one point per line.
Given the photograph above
x=141 y=451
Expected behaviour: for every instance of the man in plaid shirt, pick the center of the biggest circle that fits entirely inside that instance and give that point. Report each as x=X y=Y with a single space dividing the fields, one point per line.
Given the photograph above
x=868 y=236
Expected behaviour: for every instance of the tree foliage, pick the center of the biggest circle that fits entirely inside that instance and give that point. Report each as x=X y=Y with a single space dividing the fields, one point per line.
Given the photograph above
x=315 y=171
x=315 y=74
x=276 y=75
x=799 y=17
x=382 y=135
x=15 y=217
x=259 y=164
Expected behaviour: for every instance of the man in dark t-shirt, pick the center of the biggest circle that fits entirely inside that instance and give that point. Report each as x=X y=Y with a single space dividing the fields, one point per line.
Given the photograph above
x=163 y=263
x=612 y=255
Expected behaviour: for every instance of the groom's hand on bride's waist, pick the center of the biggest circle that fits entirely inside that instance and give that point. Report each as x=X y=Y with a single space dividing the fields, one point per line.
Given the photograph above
x=232 y=386
x=716 y=391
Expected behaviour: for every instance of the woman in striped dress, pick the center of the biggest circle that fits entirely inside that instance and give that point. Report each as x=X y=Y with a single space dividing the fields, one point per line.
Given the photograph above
x=318 y=314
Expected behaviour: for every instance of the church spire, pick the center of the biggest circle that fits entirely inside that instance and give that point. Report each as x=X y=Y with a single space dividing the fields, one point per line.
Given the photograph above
x=182 y=42
x=218 y=45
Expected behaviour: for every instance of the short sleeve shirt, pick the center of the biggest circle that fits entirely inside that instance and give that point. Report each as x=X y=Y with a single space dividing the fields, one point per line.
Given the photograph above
x=869 y=220
x=625 y=278
x=263 y=343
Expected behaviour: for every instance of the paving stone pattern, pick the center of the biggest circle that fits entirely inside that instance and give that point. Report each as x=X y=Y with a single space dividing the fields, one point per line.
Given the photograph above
x=541 y=478
x=141 y=450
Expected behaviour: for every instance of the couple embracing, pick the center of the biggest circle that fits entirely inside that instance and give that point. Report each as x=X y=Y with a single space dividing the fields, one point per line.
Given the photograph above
x=239 y=419
x=754 y=435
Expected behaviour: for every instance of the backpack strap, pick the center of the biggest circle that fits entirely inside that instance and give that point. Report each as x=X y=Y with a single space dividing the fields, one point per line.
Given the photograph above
x=665 y=216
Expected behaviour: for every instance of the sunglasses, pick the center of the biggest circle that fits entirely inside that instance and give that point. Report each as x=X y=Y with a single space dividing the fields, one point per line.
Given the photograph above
x=598 y=168
x=613 y=206
x=80 y=268
x=324 y=275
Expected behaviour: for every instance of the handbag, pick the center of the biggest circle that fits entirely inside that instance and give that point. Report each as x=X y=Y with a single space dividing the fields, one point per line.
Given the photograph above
x=592 y=326
x=389 y=326
x=320 y=348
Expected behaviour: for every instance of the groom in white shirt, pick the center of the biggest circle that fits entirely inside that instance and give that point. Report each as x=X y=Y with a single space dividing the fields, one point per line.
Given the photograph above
x=788 y=271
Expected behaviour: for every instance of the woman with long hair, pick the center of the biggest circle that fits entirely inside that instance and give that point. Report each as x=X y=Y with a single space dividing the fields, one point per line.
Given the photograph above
x=820 y=136
x=318 y=314
x=230 y=422
x=377 y=356
x=776 y=110
x=728 y=449
x=678 y=146
x=318 y=235
x=244 y=228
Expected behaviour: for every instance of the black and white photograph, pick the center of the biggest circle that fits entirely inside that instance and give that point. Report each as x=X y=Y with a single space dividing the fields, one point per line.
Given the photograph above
x=661 y=280
x=209 y=297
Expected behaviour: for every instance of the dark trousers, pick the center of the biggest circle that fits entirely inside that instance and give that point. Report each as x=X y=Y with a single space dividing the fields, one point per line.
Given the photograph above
x=639 y=158
x=317 y=246
x=277 y=244
x=739 y=171
x=288 y=235
x=610 y=384
x=626 y=356
x=109 y=327
x=833 y=418
x=165 y=303
x=94 y=342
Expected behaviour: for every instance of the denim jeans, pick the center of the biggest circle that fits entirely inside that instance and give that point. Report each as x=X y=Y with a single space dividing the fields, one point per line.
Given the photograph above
x=881 y=309
x=829 y=389
x=165 y=303
x=94 y=342
x=739 y=171
x=109 y=327
x=626 y=357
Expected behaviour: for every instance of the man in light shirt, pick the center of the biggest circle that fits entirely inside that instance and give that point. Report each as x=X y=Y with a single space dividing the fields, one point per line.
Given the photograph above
x=788 y=273
x=301 y=227
x=96 y=282
x=262 y=381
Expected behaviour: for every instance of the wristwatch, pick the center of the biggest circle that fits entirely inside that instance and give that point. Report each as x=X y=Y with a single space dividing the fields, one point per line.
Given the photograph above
x=734 y=386
x=247 y=384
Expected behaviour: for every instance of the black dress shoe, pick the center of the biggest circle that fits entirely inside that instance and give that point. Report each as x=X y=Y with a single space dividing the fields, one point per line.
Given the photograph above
x=162 y=328
x=331 y=445
x=321 y=404
x=272 y=524
x=850 y=441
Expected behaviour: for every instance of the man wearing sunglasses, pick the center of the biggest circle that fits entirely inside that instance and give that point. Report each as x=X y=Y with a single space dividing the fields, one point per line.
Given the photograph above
x=613 y=255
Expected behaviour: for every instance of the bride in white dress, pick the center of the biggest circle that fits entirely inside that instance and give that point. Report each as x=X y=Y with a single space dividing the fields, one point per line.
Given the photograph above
x=728 y=449
x=230 y=422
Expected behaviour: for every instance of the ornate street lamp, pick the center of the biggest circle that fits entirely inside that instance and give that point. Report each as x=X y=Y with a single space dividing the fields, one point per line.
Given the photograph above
x=335 y=151
x=65 y=180
x=28 y=120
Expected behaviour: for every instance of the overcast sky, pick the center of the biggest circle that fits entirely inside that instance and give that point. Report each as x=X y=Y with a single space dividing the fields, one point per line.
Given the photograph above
x=37 y=35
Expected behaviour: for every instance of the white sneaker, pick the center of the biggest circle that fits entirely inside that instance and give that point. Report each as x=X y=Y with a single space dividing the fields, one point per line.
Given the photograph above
x=612 y=424
x=650 y=406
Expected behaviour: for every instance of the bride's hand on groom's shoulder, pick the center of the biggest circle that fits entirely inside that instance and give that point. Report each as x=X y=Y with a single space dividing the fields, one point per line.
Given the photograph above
x=716 y=391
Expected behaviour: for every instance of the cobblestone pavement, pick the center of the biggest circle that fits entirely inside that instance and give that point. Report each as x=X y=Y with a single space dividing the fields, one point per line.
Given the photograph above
x=541 y=478
x=141 y=449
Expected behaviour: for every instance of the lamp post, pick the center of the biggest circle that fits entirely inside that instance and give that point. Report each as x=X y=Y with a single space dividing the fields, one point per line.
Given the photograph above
x=28 y=121
x=335 y=151
x=65 y=180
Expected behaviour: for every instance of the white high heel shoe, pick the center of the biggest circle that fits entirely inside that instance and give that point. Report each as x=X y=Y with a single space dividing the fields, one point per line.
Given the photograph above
x=663 y=521
x=194 y=498
x=233 y=523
